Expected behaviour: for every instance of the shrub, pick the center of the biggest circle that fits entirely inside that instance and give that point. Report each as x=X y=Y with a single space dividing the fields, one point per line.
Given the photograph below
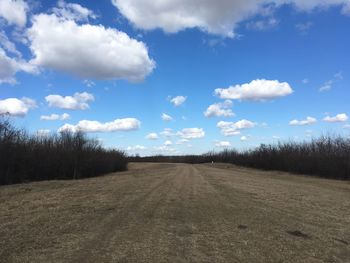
x=67 y=155
x=327 y=156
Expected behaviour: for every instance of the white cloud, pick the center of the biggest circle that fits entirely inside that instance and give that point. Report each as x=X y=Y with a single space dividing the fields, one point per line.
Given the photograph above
x=219 y=110
x=55 y=117
x=168 y=143
x=136 y=148
x=214 y=41
x=327 y=85
x=166 y=117
x=8 y=45
x=342 y=117
x=307 y=121
x=234 y=128
x=263 y=24
x=73 y=11
x=167 y=132
x=16 y=107
x=87 y=51
x=79 y=101
x=304 y=27
x=216 y=17
x=10 y=66
x=223 y=144
x=152 y=136
x=43 y=132
x=182 y=141
x=127 y=124
x=338 y=75
x=244 y=138
x=346 y=126
x=165 y=150
x=244 y=124
x=346 y=9
x=178 y=100
x=89 y=83
x=191 y=133
x=256 y=90
x=14 y=11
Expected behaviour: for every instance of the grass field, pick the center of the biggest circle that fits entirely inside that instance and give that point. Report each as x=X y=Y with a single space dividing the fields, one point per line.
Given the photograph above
x=177 y=213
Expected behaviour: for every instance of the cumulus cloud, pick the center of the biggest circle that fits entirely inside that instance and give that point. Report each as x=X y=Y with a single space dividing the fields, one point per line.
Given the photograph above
x=16 y=107
x=307 y=121
x=191 y=133
x=73 y=11
x=304 y=27
x=328 y=85
x=8 y=45
x=136 y=148
x=89 y=83
x=9 y=66
x=165 y=150
x=166 y=117
x=168 y=143
x=342 y=117
x=88 y=51
x=216 y=17
x=244 y=138
x=223 y=144
x=182 y=141
x=245 y=124
x=55 y=117
x=178 y=100
x=79 y=101
x=14 y=12
x=152 y=136
x=234 y=128
x=127 y=124
x=167 y=132
x=338 y=75
x=219 y=110
x=263 y=24
x=256 y=90
x=346 y=9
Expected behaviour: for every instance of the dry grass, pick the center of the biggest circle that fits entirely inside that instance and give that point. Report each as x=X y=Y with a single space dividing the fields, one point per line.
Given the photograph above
x=177 y=213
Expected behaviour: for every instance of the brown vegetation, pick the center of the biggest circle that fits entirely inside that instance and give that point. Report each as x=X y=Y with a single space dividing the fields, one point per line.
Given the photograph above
x=177 y=213
x=25 y=157
x=327 y=156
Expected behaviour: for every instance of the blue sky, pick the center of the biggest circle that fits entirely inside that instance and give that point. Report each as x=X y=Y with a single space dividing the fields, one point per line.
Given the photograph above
x=230 y=74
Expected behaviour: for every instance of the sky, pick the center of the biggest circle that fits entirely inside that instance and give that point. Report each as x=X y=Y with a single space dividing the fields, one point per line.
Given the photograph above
x=177 y=76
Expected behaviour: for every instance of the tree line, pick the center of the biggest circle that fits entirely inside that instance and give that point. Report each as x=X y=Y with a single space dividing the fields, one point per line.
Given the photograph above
x=326 y=156
x=67 y=155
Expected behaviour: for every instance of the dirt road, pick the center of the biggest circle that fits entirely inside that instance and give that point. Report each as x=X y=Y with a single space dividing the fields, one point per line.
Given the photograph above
x=177 y=213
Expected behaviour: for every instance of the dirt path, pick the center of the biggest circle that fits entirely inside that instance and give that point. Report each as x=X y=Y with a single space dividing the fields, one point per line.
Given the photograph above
x=177 y=213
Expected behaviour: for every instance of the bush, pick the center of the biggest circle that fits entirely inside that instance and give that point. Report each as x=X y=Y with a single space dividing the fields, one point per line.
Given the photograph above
x=327 y=156
x=67 y=155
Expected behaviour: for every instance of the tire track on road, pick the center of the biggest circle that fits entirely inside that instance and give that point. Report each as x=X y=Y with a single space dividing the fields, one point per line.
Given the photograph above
x=97 y=247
